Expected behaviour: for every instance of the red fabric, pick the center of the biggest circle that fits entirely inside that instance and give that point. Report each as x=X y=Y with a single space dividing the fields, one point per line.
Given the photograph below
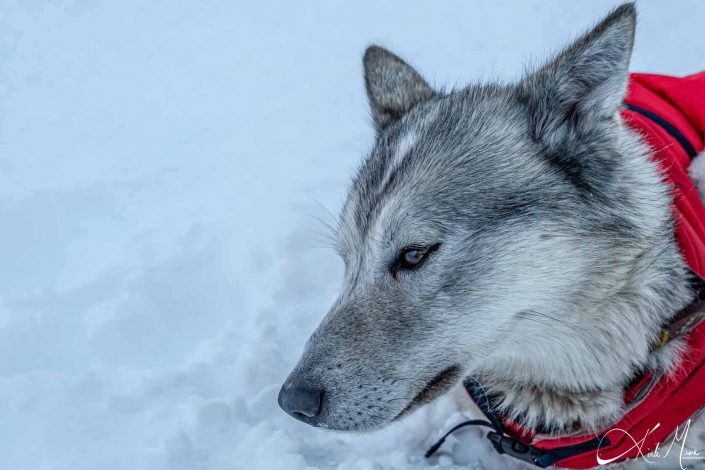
x=681 y=102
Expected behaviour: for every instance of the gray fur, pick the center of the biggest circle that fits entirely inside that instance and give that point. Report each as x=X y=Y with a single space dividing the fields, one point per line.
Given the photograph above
x=557 y=262
x=392 y=86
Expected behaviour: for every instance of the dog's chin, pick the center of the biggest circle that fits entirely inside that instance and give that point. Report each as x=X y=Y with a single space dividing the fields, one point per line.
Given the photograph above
x=435 y=387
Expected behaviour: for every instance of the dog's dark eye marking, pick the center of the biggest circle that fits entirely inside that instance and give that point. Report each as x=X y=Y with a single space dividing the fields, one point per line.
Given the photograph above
x=412 y=257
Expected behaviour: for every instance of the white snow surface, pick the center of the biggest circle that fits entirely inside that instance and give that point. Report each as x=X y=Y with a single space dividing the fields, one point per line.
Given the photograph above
x=162 y=165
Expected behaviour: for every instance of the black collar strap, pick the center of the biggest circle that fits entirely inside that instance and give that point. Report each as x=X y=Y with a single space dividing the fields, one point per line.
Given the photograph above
x=505 y=444
x=688 y=318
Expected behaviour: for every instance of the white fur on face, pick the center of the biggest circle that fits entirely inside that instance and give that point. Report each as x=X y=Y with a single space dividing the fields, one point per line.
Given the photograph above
x=391 y=203
x=406 y=143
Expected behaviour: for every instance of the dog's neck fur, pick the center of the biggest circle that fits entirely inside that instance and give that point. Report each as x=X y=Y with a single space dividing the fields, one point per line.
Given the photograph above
x=556 y=388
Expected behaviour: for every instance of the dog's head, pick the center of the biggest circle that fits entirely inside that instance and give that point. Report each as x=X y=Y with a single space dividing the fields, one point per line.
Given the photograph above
x=477 y=216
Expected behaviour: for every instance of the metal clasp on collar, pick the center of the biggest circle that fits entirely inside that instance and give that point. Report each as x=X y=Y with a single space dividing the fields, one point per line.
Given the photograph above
x=507 y=445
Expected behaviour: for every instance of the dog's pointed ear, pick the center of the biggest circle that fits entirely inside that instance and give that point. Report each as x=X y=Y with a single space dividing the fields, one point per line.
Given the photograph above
x=588 y=80
x=393 y=86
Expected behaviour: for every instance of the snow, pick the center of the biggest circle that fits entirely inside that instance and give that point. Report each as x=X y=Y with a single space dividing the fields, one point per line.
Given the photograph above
x=162 y=167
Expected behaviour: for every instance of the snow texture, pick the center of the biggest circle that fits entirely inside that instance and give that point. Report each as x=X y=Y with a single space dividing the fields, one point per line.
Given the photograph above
x=162 y=165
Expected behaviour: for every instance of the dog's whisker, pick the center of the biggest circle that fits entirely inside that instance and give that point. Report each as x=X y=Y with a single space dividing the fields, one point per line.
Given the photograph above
x=544 y=323
x=325 y=235
x=482 y=387
x=334 y=219
x=547 y=316
x=333 y=231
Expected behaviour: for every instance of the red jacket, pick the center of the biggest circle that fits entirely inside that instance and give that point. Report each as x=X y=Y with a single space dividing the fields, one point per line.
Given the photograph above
x=669 y=113
x=681 y=103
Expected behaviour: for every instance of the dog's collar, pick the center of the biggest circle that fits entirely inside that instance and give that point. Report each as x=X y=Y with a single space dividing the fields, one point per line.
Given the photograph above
x=688 y=318
x=505 y=444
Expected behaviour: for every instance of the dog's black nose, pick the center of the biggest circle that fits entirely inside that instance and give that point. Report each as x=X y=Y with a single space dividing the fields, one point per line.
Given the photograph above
x=300 y=402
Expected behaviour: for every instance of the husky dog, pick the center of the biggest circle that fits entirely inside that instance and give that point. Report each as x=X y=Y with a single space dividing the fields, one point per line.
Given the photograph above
x=518 y=234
